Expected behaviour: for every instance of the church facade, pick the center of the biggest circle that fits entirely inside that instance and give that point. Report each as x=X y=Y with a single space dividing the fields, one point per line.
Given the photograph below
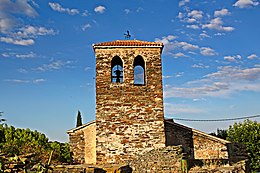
x=129 y=110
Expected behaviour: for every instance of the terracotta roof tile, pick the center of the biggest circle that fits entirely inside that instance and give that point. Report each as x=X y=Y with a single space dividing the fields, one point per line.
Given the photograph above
x=128 y=43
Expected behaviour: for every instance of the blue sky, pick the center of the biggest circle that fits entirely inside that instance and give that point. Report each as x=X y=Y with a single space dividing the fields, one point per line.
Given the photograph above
x=211 y=58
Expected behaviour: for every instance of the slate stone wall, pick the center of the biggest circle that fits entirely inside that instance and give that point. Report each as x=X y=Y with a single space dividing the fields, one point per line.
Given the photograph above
x=129 y=118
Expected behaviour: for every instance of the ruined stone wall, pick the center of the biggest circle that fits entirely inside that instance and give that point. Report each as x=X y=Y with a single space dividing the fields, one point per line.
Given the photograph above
x=164 y=160
x=129 y=118
x=196 y=144
x=179 y=135
x=77 y=146
x=209 y=147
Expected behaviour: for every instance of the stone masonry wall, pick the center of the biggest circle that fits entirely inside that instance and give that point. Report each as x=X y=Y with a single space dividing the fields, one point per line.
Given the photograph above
x=90 y=143
x=164 y=160
x=196 y=144
x=209 y=148
x=77 y=146
x=179 y=135
x=129 y=118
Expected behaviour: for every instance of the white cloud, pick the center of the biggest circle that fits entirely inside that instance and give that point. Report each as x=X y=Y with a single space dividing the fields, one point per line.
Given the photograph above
x=180 y=15
x=33 y=31
x=183 y=2
x=85 y=13
x=17 y=81
x=178 y=55
x=217 y=24
x=201 y=66
x=86 y=26
x=127 y=11
x=222 y=12
x=139 y=9
x=226 y=81
x=36 y=81
x=180 y=74
x=18 y=6
x=55 y=65
x=100 y=9
x=20 y=81
x=173 y=109
x=204 y=35
x=166 y=39
x=252 y=56
x=6 y=23
x=233 y=58
x=193 y=26
x=245 y=3
x=9 y=10
x=195 y=14
x=187 y=46
x=24 y=56
x=22 y=70
x=59 y=8
x=167 y=77
x=24 y=36
x=206 y=51
x=22 y=42
x=87 y=68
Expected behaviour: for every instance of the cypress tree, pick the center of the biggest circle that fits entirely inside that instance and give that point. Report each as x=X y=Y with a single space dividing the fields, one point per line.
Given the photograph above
x=79 y=119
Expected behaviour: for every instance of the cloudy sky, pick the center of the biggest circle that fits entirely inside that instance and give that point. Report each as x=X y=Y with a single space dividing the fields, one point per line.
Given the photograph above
x=211 y=58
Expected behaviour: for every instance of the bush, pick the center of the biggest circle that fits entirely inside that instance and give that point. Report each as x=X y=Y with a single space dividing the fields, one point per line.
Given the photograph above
x=247 y=133
x=17 y=141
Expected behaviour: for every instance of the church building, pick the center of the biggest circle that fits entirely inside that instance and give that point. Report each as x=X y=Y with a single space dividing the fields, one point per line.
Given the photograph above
x=129 y=110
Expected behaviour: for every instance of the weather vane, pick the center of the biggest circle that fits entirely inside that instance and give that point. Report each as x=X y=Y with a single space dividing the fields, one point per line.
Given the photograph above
x=127 y=35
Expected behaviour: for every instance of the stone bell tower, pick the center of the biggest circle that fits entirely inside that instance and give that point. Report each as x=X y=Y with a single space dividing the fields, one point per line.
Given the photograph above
x=129 y=99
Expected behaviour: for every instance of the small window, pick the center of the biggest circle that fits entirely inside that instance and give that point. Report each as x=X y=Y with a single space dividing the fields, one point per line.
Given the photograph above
x=139 y=71
x=116 y=70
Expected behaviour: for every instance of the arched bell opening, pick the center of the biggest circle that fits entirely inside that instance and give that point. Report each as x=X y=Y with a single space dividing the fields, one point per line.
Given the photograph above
x=139 y=71
x=117 y=70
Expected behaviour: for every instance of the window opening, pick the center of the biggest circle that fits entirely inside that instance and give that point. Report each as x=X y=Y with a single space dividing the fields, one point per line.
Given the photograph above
x=139 y=71
x=116 y=70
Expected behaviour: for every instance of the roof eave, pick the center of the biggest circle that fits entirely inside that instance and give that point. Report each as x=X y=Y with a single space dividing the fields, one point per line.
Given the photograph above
x=80 y=127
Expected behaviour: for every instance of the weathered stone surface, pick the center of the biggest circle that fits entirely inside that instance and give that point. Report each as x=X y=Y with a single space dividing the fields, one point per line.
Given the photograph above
x=197 y=144
x=129 y=118
x=83 y=168
x=83 y=143
x=209 y=147
x=166 y=160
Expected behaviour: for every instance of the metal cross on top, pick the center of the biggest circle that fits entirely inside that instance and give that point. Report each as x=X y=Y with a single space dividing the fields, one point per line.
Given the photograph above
x=127 y=35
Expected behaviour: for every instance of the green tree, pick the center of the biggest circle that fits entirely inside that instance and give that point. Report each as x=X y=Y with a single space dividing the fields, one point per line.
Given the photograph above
x=79 y=119
x=2 y=119
x=1 y=128
x=220 y=134
x=24 y=141
x=247 y=133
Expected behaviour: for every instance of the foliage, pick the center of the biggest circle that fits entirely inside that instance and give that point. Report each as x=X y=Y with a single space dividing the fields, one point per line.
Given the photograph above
x=247 y=133
x=220 y=134
x=79 y=119
x=61 y=152
x=1 y=128
x=1 y=119
x=24 y=141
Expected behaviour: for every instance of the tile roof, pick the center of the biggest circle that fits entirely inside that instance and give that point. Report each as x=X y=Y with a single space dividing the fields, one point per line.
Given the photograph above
x=128 y=43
